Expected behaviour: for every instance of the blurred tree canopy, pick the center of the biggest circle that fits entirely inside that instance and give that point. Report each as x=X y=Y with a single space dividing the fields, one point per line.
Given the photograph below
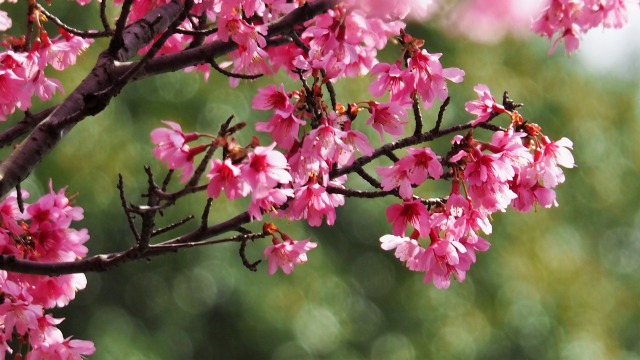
x=562 y=283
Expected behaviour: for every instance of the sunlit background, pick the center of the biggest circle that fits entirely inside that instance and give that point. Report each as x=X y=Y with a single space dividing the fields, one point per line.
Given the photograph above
x=561 y=283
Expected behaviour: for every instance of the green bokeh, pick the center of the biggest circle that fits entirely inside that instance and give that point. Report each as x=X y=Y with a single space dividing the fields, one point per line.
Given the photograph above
x=561 y=283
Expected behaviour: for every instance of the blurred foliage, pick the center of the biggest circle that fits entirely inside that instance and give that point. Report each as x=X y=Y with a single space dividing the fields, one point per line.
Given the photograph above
x=561 y=283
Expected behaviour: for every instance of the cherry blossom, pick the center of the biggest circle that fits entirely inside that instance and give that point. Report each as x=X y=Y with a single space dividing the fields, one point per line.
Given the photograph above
x=316 y=142
x=266 y=168
x=226 y=176
x=430 y=76
x=485 y=107
x=312 y=202
x=172 y=149
x=285 y=254
x=570 y=19
x=388 y=118
x=271 y=97
x=554 y=153
x=409 y=212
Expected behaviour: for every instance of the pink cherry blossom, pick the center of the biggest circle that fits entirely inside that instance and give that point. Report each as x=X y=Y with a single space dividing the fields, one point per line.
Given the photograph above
x=271 y=97
x=64 y=50
x=530 y=192
x=509 y=144
x=489 y=21
x=393 y=79
x=553 y=155
x=312 y=202
x=172 y=149
x=266 y=168
x=353 y=140
x=430 y=76
x=19 y=314
x=66 y=350
x=53 y=208
x=408 y=250
x=394 y=9
x=21 y=77
x=266 y=200
x=286 y=254
x=325 y=142
x=488 y=168
x=409 y=212
x=5 y=21
x=421 y=163
x=396 y=176
x=570 y=19
x=226 y=176
x=485 y=107
x=283 y=126
x=388 y=117
x=55 y=291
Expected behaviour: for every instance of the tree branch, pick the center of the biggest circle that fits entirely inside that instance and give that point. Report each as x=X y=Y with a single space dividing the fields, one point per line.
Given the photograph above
x=87 y=99
x=106 y=262
x=90 y=97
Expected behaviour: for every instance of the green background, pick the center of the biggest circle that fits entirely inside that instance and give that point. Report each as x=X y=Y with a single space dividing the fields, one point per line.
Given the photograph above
x=559 y=283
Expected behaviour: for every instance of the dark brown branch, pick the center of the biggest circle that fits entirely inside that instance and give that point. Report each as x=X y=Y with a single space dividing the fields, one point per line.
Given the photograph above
x=27 y=124
x=127 y=210
x=227 y=73
x=149 y=216
x=204 y=33
x=203 y=54
x=103 y=16
x=368 y=178
x=417 y=115
x=19 y=199
x=87 y=99
x=443 y=107
x=118 y=40
x=204 y=220
x=399 y=144
x=252 y=266
x=360 y=193
x=170 y=227
x=106 y=262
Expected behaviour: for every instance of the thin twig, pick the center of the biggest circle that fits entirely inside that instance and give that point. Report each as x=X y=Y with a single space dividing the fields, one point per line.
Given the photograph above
x=199 y=171
x=148 y=217
x=198 y=39
x=252 y=266
x=170 y=227
x=166 y=180
x=127 y=211
x=90 y=34
x=443 y=107
x=103 y=16
x=204 y=33
x=417 y=115
x=360 y=193
x=227 y=73
x=399 y=144
x=117 y=40
x=25 y=125
x=204 y=222
x=368 y=178
x=19 y=198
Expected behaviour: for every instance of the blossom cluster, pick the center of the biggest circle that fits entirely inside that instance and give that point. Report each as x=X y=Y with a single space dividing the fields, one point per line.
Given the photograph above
x=40 y=233
x=295 y=176
x=569 y=19
x=22 y=71
x=341 y=42
x=517 y=168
